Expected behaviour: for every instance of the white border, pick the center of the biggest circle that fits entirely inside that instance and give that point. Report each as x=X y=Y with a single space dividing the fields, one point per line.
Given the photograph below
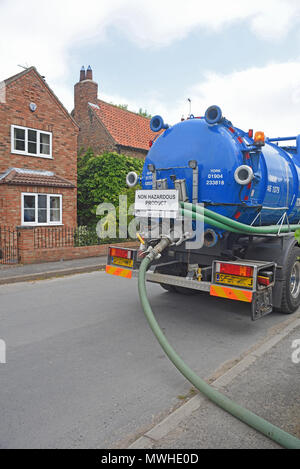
x=25 y=152
x=49 y=223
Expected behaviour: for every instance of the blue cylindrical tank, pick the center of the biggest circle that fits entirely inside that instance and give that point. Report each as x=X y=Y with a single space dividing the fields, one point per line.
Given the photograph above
x=227 y=158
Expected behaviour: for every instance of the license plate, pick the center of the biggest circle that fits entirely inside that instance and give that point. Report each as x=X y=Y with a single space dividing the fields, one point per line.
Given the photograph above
x=234 y=280
x=121 y=261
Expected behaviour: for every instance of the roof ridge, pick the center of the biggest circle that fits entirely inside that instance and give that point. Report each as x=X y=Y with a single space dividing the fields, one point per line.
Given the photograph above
x=18 y=75
x=122 y=109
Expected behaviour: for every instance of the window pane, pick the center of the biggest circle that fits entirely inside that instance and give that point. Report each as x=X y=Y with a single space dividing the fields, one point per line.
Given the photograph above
x=32 y=135
x=45 y=138
x=45 y=144
x=42 y=201
x=42 y=215
x=29 y=201
x=29 y=215
x=55 y=212
x=44 y=149
x=55 y=202
x=55 y=215
x=19 y=139
x=32 y=145
x=19 y=134
x=42 y=209
x=32 y=148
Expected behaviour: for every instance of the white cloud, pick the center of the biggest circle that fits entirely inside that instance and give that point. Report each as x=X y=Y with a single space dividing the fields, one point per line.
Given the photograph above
x=266 y=98
x=42 y=33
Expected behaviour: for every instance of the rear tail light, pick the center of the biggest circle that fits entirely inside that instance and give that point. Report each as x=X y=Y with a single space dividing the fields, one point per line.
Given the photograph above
x=234 y=269
x=263 y=280
x=118 y=252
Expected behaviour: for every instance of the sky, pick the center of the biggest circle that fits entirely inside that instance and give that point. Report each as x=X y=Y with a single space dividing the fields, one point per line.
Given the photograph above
x=241 y=55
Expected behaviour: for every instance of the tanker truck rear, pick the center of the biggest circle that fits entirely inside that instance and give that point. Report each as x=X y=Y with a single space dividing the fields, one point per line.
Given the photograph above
x=227 y=204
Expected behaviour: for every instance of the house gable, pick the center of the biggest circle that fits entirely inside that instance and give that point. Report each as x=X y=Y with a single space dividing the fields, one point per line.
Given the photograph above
x=49 y=116
x=46 y=162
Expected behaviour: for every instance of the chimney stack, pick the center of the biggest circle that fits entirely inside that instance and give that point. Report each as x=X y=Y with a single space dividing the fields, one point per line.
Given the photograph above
x=89 y=73
x=82 y=73
x=85 y=92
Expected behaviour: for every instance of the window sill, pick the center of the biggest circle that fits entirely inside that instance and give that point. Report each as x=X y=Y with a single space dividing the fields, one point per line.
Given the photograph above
x=20 y=153
x=40 y=225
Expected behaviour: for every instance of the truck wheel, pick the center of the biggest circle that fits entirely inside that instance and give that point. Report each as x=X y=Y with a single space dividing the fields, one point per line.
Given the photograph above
x=291 y=284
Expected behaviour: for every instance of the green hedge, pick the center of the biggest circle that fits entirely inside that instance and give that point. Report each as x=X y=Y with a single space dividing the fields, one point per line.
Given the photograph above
x=102 y=179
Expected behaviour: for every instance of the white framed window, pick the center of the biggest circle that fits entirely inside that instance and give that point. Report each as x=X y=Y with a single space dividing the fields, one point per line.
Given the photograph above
x=41 y=209
x=32 y=142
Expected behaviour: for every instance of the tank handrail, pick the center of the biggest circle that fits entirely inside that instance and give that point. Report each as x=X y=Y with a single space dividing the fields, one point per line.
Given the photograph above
x=281 y=139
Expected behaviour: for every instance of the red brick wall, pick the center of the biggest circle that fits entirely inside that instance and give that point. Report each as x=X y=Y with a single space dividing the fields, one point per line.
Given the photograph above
x=93 y=134
x=92 y=131
x=132 y=152
x=10 y=203
x=29 y=255
x=50 y=117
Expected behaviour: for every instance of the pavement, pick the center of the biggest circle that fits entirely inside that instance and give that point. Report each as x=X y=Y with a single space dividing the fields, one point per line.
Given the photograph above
x=266 y=382
x=28 y=272
x=84 y=370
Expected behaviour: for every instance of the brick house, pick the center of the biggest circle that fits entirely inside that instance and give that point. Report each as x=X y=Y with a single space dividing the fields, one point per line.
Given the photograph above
x=105 y=127
x=38 y=155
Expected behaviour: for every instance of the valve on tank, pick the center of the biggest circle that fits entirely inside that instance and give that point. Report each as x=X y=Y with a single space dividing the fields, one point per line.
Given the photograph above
x=157 y=124
x=132 y=179
x=213 y=115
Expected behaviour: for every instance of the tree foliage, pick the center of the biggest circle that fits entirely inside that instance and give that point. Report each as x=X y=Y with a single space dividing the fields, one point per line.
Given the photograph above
x=144 y=113
x=102 y=179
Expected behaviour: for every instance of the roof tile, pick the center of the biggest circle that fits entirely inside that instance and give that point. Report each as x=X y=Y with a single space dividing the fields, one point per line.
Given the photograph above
x=127 y=128
x=18 y=177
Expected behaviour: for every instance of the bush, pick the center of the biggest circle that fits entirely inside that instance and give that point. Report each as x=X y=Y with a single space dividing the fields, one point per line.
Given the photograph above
x=102 y=179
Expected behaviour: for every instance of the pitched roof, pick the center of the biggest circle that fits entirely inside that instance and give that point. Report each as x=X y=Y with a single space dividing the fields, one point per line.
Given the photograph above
x=30 y=177
x=13 y=78
x=127 y=128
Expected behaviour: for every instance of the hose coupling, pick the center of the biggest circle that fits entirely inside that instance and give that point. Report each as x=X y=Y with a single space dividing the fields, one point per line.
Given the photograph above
x=155 y=252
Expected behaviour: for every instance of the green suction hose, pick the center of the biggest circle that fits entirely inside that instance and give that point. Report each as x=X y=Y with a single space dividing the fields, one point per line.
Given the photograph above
x=274 y=433
x=211 y=218
x=209 y=221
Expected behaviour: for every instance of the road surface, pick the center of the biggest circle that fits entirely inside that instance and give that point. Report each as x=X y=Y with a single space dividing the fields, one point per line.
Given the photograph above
x=83 y=369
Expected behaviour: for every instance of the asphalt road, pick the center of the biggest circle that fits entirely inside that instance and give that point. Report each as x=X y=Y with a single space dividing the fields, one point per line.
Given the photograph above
x=83 y=368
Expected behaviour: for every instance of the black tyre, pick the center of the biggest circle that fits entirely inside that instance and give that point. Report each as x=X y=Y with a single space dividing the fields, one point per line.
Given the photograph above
x=291 y=284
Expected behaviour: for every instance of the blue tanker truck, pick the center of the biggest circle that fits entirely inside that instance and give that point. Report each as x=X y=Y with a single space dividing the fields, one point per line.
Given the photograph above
x=239 y=192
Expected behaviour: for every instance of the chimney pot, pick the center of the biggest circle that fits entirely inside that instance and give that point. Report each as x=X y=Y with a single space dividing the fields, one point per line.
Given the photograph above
x=82 y=74
x=89 y=73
